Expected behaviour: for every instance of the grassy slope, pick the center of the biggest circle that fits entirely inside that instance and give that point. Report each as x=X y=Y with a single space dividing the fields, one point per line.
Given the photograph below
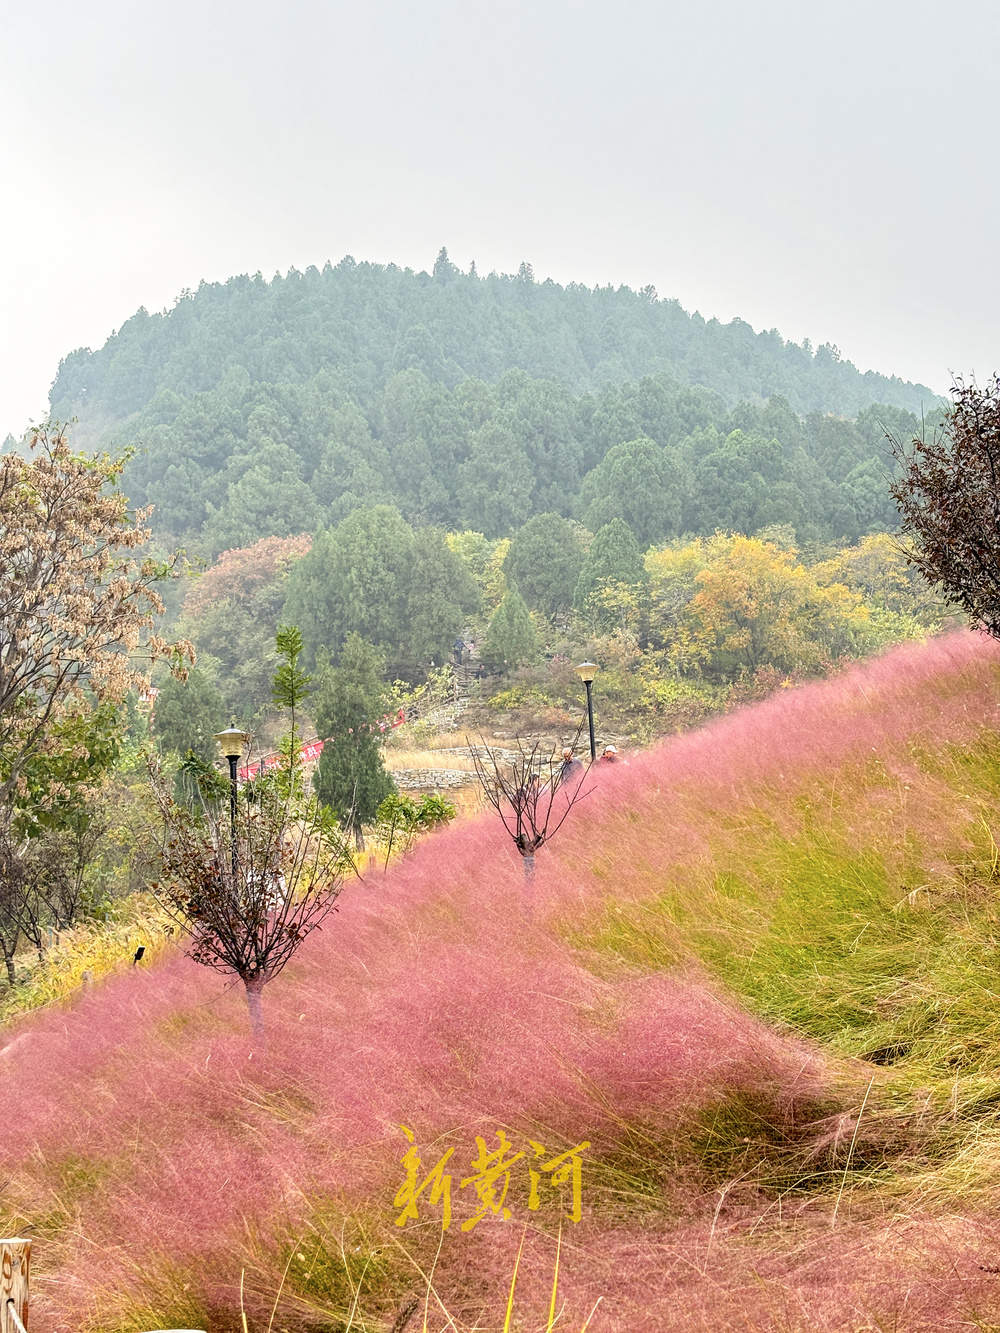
x=737 y=944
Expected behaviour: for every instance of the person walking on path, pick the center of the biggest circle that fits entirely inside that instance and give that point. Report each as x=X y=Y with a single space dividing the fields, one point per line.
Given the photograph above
x=571 y=767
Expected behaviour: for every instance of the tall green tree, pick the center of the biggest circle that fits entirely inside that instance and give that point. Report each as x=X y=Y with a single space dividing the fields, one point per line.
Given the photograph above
x=353 y=581
x=188 y=713
x=351 y=698
x=614 y=558
x=639 y=482
x=510 y=639
x=544 y=561
x=440 y=595
x=405 y=592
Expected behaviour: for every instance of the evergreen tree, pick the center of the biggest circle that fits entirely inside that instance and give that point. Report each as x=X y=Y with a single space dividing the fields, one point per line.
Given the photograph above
x=440 y=594
x=614 y=557
x=544 y=561
x=353 y=580
x=444 y=269
x=350 y=701
x=510 y=639
x=639 y=482
x=188 y=713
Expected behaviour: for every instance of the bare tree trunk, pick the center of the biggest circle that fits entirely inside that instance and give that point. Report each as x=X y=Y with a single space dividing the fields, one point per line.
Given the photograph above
x=254 y=991
x=8 y=959
x=529 y=866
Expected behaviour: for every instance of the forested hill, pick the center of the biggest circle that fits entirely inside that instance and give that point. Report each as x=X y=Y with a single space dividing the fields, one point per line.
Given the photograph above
x=275 y=407
x=365 y=322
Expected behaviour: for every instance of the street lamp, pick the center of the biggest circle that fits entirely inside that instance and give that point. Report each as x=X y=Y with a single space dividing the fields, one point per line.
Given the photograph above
x=587 y=671
x=231 y=743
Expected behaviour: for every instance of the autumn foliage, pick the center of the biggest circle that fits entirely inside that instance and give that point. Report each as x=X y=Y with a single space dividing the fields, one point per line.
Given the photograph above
x=76 y=611
x=949 y=500
x=243 y=574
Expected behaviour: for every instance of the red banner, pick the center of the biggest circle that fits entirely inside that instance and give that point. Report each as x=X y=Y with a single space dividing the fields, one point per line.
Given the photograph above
x=310 y=751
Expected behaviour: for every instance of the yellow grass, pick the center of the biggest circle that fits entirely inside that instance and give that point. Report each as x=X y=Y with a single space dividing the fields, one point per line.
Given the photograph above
x=88 y=952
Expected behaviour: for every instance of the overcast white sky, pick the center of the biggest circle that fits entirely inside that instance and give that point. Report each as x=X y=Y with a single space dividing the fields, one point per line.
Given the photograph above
x=827 y=170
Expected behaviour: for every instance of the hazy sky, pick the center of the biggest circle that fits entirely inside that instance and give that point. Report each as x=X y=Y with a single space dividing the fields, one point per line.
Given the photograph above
x=827 y=170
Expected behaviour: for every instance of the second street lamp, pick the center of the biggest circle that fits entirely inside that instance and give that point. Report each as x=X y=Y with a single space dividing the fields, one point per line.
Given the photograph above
x=587 y=671
x=231 y=743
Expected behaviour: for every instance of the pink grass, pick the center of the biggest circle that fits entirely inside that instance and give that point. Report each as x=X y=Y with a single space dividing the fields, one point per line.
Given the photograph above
x=432 y=999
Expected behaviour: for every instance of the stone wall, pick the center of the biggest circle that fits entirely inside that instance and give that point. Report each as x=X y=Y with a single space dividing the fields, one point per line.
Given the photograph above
x=431 y=779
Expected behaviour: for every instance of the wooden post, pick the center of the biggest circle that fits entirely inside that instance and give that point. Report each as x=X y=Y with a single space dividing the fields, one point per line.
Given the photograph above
x=15 y=1263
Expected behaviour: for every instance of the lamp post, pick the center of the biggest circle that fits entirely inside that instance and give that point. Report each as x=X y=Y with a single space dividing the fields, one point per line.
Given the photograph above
x=587 y=671
x=231 y=743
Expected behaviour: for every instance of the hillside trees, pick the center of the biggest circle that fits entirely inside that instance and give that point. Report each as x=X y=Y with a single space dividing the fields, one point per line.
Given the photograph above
x=749 y=480
x=372 y=321
x=474 y=403
x=232 y=612
x=265 y=492
x=878 y=568
x=614 y=562
x=188 y=714
x=639 y=482
x=370 y=575
x=949 y=501
x=755 y=606
x=439 y=594
x=545 y=559
x=494 y=485
x=484 y=561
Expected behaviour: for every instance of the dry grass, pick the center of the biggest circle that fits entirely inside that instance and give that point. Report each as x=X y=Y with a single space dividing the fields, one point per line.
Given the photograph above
x=400 y=759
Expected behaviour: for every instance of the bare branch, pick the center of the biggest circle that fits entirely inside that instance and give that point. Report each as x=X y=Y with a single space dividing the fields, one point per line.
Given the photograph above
x=530 y=793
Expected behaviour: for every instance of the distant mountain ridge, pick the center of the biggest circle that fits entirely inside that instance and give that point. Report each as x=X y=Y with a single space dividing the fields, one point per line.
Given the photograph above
x=368 y=321
x=275 y=408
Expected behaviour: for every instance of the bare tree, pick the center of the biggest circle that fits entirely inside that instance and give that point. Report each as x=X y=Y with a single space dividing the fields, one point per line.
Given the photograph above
x=527 y=794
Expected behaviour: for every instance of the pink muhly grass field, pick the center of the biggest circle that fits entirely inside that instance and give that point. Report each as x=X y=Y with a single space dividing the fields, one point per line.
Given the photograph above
x=440 y=996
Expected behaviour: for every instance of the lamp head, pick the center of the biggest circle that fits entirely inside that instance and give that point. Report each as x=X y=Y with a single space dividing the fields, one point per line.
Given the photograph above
x=232 y=741
x=587 y=671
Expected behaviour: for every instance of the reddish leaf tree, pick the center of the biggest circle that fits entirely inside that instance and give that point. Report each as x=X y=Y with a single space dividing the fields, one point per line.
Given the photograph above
x=949 y=501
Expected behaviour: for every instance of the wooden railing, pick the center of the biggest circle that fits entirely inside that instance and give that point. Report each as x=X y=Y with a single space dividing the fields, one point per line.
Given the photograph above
x=15 y=1267
x=15 y=1272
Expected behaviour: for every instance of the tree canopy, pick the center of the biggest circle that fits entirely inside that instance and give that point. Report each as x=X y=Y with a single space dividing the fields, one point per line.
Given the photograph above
x=510 y=639
x=76 y=610
x=949 y=500
x=272 y=408
x=405 y=592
